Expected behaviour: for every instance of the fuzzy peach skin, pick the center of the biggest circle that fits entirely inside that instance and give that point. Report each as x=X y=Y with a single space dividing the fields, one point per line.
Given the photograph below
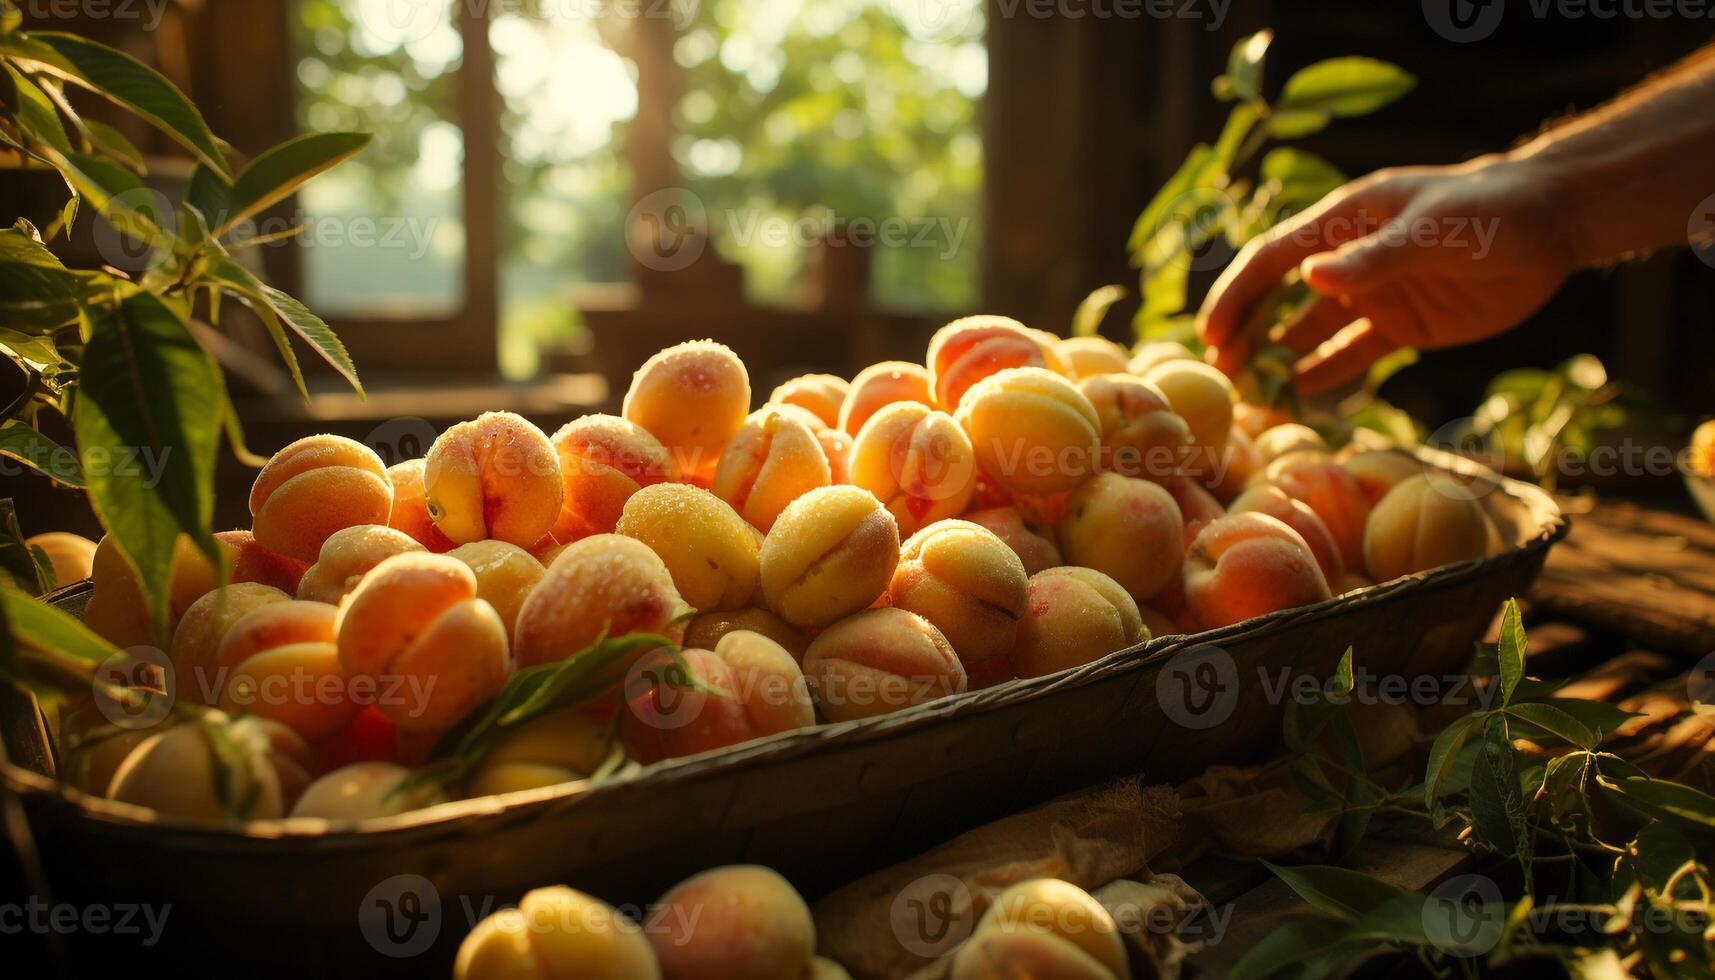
x=363 y=791
x=1051 y=907
x=410 y=512
x=250 y=562
x=1203 y=397
x=706 y=629
x=831 y=553
x=1146 y=356
x=772 y=460
x=174 y=771
x=197 y=639
x=561 y=747
x=692 y=397
x=496 y=476
x=880 y=385
x=1129 y=529
x=116 y=610
x=1248 y=565
x=279 y=661
x=347 y=555
x=605 y=584
x=1417 y=527
x=1141 y=435
x=505 y=574
x=966 y=582
x=1240 y=463
x=878 y=662
x=731 y=922
x=314 y=487
x=1086 y=357
x=1033 y=431
x=71 y=556
x=667 y=717
x=1033 y=544
x=1331 y=492
x=1274 y=502
x=712 y=554
x=556 y=934
x=603 y=461
x=1074 y=616
x=1288 y=437
x=1380 y=470
x=1197 y=506
x=972 y=348
x=1007 y=955
x=415 y=629
x=267 y=626
x=917 y=461
x=824 y=395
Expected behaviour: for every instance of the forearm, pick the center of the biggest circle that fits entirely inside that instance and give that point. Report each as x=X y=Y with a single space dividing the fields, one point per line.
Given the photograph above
x=1633 y=171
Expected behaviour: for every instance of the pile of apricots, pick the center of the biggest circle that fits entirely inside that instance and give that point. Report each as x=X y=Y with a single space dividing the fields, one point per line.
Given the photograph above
x=1015 y=506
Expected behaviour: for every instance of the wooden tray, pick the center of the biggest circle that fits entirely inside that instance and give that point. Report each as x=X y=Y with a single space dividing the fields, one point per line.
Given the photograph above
x=822 y=806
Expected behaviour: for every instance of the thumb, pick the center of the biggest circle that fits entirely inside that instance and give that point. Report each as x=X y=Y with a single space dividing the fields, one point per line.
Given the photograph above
x=1355 y=267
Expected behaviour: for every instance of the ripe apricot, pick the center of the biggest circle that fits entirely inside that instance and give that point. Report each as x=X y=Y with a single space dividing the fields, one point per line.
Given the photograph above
x=347 y=555
x=1129 y=529
x=880 y=661
x=967 y=583
x=1274 y=502
x=692 y=397
x=556 y=934
x=1032 y=543
x=831 y=553
x=772 y=460
x=1254 y=420
x=1141 y=435
x=824 y=395
x=1050 y=907
x=705 y=630
x=1074 y=616
x=1288 y=437
x=71 y=556
x=415 y=628
x=1331 y=492
x=1380 y=470
x=880 y=385
x=972 y=348
x=1197 y=506
x=712 y=554
x=1247 y=565
x=197 y=639
x=363 y=791
x=117 y=611
x=496 y=476
x=410 y=512
x=602 y=585
x=175 y=772
x=250 y=562
x=1147 y=355
x=917 y=461
x=1087 y=357
x=561 y=747
x=1203 y=397
x=737 y=921
x=266 y=626
x=505 y=574
x=1240 y=463
x=758 y=691
x=279 y=661
x=1417 y=527
x=603 y=461
x=1032 y=430
x=312 y=488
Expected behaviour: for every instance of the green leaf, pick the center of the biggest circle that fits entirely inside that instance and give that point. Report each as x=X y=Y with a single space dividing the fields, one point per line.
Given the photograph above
x=1087 y=319
x=1240 y=122
x=1308 y=947
x=1546 y=716
x=113 y=143
x=116 y=193
x=275 y=174
x=1298 y=178
x=36 y=112
x=1497 y=798
x=1350 y=86
x=1442 y=754
x=37 y=293
x=124 y=80
x=17 y=560
x=224 y=271
x=1161 y=207
x=1600 y=717
x=10 y=16
x=20 y=441
x=1509 y=653
x=38 y=626
x=1292 y=124
x=1688 y=808
x=1245 y=64
x=147 y=401
x=210 y=194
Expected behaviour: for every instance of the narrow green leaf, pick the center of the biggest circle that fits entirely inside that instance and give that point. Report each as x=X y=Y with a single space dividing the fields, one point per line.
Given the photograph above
x=38 y=626
x=20 y=441
x=223 y=270
x=116 y=193
x=1087 y=319
x=1442 y=754
x=210 y=194
x=1339 y=892
x=277 y=173
x=1349 y=86
x=1302 y=948
x=1510 y=652
x=37 y=293
x=1237 y=130
x=1245 y=64
x=113 y=143
x=1292 y=124
x=17 y=560
x=1156 y=213
x=36 y=112
x=1551 y=719
x=1497 y=797
x=1298 y=179
x=1689 y=808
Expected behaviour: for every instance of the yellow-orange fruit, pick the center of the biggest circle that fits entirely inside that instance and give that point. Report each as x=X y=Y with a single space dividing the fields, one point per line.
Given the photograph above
x=603 y=461
x=347 y=555
x=669 y=715
x=71 y=556
x=772 y=460
x=831 y=553
x=1074 y=616
x=1331 y=492
x=917 y=461
x=692 y=397
x=1380 y=470
x=196 y=641
x=363 y=791
x=1127 y=528
x=706 y=630
x=1203 y=397
x=998 y=955
x=415 y=628
x=1086 y=357
x=1197 y=506
x=1147 y=355
x=1274 y=502
x=496 y=476
x=1032 y=430
x=837 y=447
x=1051 y=907
x=556 y=934
x=175 y=773
x=1254 y=420
x=266 y=626
x=605 y=584
x=1248 y=565
x=1032 y=543
x=878 y=662
x=823 y=395
x=117 y=611
x=737 y=921
x=712 y=554
x=1418 y=526
x=250 y=562
x=1157 y=623
x=970 y=349
x=880 y=385
x=1239 y=464
x=505 y=574
x=556 y=748
x=410 y=512
x=1141 y=435
x=279 y=661
x=312 y=488
x=1288 y=437
x=966 y=582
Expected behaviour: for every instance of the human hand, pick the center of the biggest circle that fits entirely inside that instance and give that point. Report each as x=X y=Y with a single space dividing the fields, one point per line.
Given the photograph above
x=1412 y=257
